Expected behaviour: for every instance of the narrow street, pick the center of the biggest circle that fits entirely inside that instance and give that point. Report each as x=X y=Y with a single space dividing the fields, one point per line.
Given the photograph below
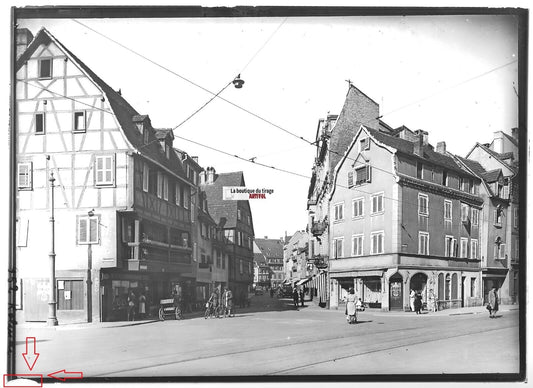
x=272 y=338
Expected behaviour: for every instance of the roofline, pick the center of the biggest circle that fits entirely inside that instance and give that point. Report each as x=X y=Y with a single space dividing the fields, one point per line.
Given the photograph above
x=473 y=173
x=337 y=168
x=492 y=153
x=137 y=152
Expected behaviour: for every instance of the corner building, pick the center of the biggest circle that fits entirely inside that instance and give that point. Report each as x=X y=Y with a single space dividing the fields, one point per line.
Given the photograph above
x=404 y=217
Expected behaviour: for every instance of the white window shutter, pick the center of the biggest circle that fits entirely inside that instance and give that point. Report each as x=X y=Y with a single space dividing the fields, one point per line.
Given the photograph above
x=368 y=173
x=82 y=230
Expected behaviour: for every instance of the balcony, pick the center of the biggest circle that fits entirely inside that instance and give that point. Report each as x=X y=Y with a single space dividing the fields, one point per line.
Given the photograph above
x=319 y=228
x=319 y=261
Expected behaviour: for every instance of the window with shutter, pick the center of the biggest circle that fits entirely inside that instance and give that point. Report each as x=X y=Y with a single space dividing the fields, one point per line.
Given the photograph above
x=350 y=178
x=104 y=170
x=24 y=176
x=423 y=204
x=88 y=230
x=448 y=210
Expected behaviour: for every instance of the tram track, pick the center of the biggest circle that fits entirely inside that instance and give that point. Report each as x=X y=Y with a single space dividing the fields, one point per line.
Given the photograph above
x=344 y=347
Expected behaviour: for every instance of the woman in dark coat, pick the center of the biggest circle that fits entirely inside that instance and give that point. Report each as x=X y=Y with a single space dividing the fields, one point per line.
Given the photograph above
x=493 y=301
x=418 y=303
x=295 y=297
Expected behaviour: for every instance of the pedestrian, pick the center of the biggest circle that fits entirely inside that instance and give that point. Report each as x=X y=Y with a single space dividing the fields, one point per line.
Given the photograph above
x=131 y=306
x=301 y=295
x=418 y=303
x=493 y=301
x=412 y=296
x=351 y=311
x=142 y=306
x=295 y=297
x=229 y=303
x=271 y=292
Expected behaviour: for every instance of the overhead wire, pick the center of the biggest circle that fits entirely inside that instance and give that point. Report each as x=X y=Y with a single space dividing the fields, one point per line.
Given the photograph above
x=268 y=121
x=193 y=83
x=249 y=160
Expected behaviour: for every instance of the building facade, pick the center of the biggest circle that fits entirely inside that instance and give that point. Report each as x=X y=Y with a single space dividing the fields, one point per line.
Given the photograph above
x=234 y=219
x=272 y=249
x=122 y=196
x=295 y=262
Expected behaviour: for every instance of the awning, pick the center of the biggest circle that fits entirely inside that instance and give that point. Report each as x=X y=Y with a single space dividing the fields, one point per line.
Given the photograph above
x=356 y=274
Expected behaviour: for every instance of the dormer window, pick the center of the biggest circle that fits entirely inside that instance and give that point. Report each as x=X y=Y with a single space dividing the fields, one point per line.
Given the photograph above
x=146 y=135
x=139 y=126
x=45 y=68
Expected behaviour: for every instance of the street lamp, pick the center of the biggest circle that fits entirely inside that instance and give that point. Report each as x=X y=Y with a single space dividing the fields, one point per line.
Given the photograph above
x=52 y=318
x=90 y=213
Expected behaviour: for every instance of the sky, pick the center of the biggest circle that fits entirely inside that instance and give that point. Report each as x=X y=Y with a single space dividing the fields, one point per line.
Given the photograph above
x=453 y=76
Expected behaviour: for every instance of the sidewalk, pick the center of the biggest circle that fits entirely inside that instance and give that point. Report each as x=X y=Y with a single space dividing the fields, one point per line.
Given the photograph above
x=445 y=312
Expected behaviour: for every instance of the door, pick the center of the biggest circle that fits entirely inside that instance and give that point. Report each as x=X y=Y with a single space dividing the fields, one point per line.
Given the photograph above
x=35 y=303
x=395 y=293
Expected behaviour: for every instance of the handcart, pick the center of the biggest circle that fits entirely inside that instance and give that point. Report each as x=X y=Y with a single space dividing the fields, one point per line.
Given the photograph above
x=168 y=309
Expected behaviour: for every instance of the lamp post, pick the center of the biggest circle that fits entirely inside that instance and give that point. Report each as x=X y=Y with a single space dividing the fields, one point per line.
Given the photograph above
x=52 y=318
x=89 y=269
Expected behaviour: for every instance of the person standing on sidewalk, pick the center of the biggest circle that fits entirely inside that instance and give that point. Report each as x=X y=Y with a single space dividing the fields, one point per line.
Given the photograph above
x=418 y=303
x=295 y=297
x=132 y=303
x=301 y=295
x=142 y=306
x=493 y=301
x=412 y=297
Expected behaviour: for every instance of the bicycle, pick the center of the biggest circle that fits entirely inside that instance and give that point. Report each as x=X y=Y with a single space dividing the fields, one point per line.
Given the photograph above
x=211 y=311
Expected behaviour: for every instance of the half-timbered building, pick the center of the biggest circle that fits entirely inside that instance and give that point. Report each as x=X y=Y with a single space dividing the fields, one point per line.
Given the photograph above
x=122 y=195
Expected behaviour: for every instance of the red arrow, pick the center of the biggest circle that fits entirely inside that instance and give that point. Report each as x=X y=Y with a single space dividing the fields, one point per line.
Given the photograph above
x=68 y=375
x=30 y=357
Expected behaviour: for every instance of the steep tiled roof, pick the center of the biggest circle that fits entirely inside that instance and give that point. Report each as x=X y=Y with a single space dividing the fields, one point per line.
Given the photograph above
x=218 y=208
x=271 y=248
x=349 y=122
x=406 y=147
x=473 y=165
x=123 y=111
x=260 y=259
x=492 y=176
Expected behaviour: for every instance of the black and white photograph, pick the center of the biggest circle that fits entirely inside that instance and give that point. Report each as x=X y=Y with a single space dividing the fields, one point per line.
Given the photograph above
x=217 y=194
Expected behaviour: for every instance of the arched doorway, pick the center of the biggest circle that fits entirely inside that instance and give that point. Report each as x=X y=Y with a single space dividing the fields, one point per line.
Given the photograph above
x=395 y=292
x=419 y=284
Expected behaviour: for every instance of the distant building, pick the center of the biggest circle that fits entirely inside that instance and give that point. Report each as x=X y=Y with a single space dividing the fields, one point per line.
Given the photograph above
x=272 y=249
x=295 y=253
x=234 y=218
x=262 y=271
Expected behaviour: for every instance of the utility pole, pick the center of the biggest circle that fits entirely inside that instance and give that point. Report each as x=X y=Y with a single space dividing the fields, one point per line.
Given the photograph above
x=52 y=318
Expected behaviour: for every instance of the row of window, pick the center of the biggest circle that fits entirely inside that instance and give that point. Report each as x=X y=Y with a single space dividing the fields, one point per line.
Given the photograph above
x=158 y=183
x=240 y=217
x=79 y=122
x=104 y=172
x=468 y=247
x=239 y=238
x=377 y=207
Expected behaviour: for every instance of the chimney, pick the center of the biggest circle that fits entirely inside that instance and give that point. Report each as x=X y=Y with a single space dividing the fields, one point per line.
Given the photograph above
x=203 y=177
x=497 y=143
x=514 y=133
x=418 y=148
x=195 y=158
x=210 y=175
x=424 y=134
x=441 y=147
x=24 y=38
x=266 y=237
